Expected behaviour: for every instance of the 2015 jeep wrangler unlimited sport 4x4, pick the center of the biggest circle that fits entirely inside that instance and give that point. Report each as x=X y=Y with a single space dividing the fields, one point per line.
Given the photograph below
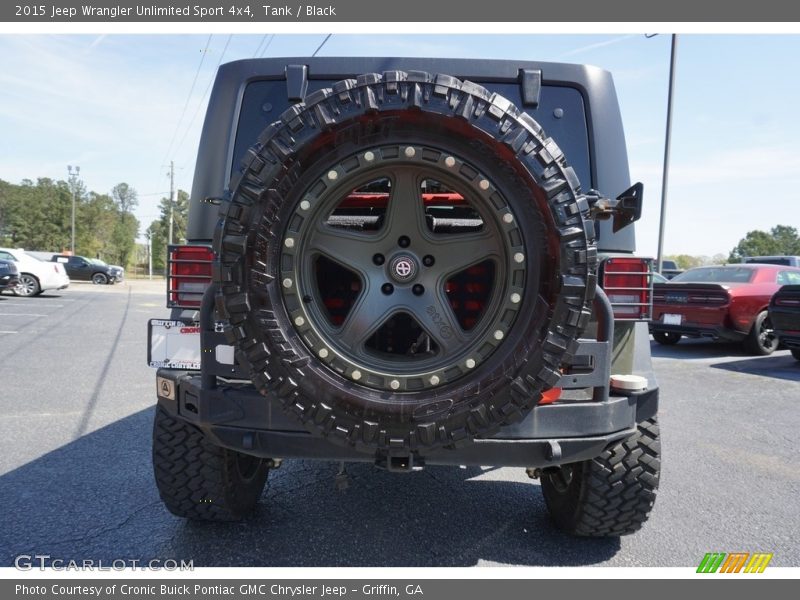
x=388 y=260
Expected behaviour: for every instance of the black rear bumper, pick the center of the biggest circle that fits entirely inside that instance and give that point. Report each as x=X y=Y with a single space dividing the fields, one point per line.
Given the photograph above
x=233 y=414
x=236 y=416
x=716 y=332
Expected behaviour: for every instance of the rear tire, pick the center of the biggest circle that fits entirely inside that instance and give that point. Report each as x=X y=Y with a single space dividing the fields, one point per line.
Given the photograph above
x=666 y=338
x=28 y=286
x=761 y=341
x=611 y=495
x=796 y=353
x=200 y=481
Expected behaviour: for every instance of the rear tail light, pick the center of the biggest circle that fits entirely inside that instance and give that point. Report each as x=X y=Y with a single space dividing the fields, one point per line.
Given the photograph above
x=790 y=302
x=628 y=283
x=710 y=298
x=188 y=275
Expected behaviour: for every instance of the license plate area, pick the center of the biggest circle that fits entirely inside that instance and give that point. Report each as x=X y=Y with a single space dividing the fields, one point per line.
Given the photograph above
x=173 y=344
x=670 y=319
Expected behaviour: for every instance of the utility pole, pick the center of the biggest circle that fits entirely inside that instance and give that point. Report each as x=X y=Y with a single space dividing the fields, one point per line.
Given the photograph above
x=667 y=144
x=73 y=181
x=150 y=255
x=171 y=197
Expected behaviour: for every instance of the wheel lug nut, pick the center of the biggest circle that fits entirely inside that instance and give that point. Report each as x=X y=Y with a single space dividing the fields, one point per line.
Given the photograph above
x=403 y=241
x=378 y=259
x=387 y=288
x=418 y=290
x=428 y=260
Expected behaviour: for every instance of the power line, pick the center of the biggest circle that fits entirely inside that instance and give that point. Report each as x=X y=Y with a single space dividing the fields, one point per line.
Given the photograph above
x=188 y=99
x=202 y=100
x=269 y=43
x=327 y=37
x=260 y=43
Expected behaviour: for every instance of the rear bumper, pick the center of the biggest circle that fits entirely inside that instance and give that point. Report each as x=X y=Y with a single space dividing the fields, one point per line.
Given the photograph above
x=714 y=332
x=790 y=340
x=8 y=281
x=786 y=322
x=54 y=283
x=236 y=416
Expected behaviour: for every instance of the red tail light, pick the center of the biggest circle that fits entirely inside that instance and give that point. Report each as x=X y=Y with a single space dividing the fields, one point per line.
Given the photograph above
x=188 y=275
x=629 y=286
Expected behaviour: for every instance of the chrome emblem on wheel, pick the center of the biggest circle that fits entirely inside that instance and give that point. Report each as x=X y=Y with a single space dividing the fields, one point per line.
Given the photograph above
x=403 y=268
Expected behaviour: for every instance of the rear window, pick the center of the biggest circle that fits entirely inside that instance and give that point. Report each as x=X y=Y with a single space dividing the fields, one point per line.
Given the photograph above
x=264 y=101
x=716 y=275
x=771 y=260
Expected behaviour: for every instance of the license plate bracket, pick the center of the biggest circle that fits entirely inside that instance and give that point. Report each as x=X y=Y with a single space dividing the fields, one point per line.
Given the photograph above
x=173 y=344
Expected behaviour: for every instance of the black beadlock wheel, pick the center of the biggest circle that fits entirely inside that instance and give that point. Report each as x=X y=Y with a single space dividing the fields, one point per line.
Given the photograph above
x=611 y=495
x=200 y=481
x=405 y=261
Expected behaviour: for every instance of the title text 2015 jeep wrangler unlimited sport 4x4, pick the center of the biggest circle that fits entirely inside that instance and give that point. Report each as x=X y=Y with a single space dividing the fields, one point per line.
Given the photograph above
x=388 y=260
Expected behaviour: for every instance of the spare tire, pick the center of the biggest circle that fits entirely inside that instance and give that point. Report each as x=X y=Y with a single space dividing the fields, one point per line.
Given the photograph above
x=405 y=262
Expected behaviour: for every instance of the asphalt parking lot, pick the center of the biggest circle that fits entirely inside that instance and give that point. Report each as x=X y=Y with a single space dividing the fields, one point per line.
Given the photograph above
x=76 y=480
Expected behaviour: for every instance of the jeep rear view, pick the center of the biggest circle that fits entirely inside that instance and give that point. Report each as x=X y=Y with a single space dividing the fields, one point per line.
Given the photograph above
x=410 y=262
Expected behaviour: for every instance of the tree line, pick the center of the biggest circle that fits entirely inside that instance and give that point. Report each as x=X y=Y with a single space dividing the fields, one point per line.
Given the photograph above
x=781 y=240
x=38 y=216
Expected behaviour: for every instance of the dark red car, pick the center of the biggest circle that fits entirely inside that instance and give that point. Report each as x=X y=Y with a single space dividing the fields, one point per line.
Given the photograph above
x=720 y=303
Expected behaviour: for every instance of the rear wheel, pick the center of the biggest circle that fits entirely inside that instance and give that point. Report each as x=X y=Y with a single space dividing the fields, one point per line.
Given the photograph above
x=761 y=340
x=611 y=495
x=28 y=286
x=99 y=279
x=666 y=338
x=200 y=481
x=796 y=353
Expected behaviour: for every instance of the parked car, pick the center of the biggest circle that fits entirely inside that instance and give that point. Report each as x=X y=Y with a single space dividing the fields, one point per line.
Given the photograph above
x=788 y=261
x=9 y=275
x=35 y=276
x=720 y=303
x=659 y=278
x=669 y=269
x=81 y=268
x=117 y=271
x=784 y=314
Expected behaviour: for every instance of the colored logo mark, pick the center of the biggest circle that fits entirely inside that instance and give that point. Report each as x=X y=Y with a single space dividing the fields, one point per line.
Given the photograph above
x=735 y=562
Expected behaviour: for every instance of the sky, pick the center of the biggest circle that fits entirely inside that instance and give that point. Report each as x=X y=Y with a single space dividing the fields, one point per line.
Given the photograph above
x=123 y=106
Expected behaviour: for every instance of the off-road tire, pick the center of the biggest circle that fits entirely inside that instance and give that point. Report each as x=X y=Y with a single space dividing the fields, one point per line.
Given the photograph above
x=666 y=338
x=198 y=480
x=761 y=340
x=385 y=115
x=611 y=495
